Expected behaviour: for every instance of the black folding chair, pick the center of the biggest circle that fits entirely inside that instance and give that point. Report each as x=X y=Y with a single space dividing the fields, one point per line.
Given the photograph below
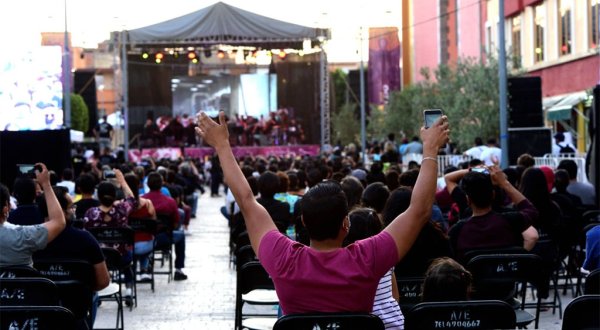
x=115 y=265
x=147 y=226
x=338 y=321
x=113 y=236
x=473 y=314
x=244 y=255
x=495 y=277
x=592 y=283
x=74 y=279
x=409 y=289
x=582 y=313
x=254 y=287
x=36 y=317
x=18 y=271
x=164 y=251
x=29 y=291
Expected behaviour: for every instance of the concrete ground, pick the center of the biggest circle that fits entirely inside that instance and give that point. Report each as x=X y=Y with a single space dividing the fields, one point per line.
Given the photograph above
x=207 y=299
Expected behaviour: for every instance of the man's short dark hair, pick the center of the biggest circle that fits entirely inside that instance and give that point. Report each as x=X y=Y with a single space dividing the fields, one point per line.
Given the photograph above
x=478 y=141
x=268 y=184
x=67 y=174
x=155 y=181
x=408 y=178
x=86 y=183
x=570 y=166
x=479 y=188
x=324 y=208
x=375 y=195
x=353 y=190
x=24 y=190
x=561 y=180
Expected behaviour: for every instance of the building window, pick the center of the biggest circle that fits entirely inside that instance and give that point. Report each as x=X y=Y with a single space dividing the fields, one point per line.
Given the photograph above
x=565 y=37
x=594 y=29
x=516 y=41
x=538 y=31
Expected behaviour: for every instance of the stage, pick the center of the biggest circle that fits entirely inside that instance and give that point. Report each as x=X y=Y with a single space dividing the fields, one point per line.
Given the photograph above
x=175 y=153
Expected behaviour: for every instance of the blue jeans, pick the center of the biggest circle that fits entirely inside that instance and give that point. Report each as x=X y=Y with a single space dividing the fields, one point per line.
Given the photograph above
x=142 y=252
x=179 y=240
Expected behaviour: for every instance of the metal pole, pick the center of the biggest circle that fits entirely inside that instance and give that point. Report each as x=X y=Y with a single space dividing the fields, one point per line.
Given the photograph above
x=363 y=138
x=67 y=75
x=125 y=94
x=502 y=85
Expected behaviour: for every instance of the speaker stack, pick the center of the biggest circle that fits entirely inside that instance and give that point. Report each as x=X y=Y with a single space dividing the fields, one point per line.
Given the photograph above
x=526 y=130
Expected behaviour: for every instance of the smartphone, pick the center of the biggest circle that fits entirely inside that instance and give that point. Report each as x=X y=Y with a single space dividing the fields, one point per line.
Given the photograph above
x=29 y=170
x=109 y=174
x=480 y=170
x=430 y=116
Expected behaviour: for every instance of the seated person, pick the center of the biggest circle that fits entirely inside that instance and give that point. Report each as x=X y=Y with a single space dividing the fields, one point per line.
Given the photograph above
x=27 y=211
x=446 y=280
x=18 y=243
x=86 y=184
x=164 y=205
x=592 y=249
x=486 y=228
x=364 y=223
x=76 y=244
x=326 y=277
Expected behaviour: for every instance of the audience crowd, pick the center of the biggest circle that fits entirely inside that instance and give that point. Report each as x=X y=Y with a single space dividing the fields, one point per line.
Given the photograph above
x=333 y=233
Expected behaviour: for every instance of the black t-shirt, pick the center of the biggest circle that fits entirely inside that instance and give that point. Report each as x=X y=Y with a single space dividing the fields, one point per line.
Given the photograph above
x=430 y=244
x=73 y=243
x=83 y=205
x=26 y=215
x=104 y=129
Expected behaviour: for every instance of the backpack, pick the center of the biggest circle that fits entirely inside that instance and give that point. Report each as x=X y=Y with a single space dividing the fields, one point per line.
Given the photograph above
x=566 y=149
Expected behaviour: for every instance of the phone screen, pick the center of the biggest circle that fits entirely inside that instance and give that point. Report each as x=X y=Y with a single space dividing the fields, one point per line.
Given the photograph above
x=25 y=168
x=431 y=116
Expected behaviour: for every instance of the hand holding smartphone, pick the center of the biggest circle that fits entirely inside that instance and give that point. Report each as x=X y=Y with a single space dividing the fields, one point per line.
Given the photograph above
x=430 y=116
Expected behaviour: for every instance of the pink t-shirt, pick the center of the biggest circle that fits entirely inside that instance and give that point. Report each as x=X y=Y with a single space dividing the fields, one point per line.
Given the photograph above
x=344 y=280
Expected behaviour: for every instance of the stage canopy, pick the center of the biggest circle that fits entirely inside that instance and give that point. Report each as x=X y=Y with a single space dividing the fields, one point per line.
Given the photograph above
x=225 y=24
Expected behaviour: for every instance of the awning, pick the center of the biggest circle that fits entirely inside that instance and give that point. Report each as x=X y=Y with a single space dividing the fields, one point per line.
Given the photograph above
x=561 y=110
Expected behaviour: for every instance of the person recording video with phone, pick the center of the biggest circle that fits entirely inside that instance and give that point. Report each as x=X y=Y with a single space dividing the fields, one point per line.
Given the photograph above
x=18 y=243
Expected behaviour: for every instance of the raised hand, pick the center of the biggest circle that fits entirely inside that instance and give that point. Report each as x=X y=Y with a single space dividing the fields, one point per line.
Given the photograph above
x=214 y=134
x=42 y=177
x=437 y=135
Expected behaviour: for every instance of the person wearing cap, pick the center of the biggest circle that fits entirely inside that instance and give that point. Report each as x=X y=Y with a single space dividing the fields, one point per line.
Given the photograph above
x=560 y=146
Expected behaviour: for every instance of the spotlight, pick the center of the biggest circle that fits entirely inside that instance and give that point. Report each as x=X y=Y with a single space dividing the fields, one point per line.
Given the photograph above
x=176 y=54
x=221 y=54
x=282 y=54
x=159 y=56
x=145 y=55
x=195 y=60
x=191 y=55
x=158 y=60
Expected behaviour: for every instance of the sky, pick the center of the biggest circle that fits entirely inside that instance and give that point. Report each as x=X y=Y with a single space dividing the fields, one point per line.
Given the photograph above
x=90 y=22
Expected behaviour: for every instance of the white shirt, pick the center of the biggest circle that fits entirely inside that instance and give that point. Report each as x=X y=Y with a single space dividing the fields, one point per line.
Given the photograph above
x=475 y=151
x=491 y=155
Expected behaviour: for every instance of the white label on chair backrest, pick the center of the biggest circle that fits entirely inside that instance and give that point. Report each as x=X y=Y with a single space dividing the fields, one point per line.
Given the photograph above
x=30 y=324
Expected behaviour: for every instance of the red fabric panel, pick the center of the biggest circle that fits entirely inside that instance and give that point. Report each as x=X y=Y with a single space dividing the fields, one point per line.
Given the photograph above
x=512 y=7
x=531 y=2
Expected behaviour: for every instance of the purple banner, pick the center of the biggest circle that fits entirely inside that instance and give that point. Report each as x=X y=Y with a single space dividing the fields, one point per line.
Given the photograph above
x=384 y=64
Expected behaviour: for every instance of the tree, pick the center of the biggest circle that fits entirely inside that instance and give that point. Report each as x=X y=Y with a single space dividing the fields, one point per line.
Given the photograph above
x=467 y=92
x=79 y=113
x=346 y=127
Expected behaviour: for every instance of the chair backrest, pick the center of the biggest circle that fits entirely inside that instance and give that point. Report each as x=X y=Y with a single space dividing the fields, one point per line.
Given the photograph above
x=592 y=283
x=474 y=314
x=18 y=271
x=494 y=275
x=74 y=279
x=582 y=313
x=409 y=289
x=31 y=291
x=165 y=224
x=36 y=317
x=114 y=259
x=112 y=235
x=252 y=276
x=326 y=321
x=244 y=255
x=145 y=225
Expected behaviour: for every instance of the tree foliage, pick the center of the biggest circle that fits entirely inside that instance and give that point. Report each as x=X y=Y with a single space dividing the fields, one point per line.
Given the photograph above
x=79 y=113
x=467 y=92
x=346 y=127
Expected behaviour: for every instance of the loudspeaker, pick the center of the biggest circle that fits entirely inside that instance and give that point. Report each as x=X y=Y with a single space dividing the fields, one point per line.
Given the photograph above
x=525 y=102
x=85 y=85
x=536 y=141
